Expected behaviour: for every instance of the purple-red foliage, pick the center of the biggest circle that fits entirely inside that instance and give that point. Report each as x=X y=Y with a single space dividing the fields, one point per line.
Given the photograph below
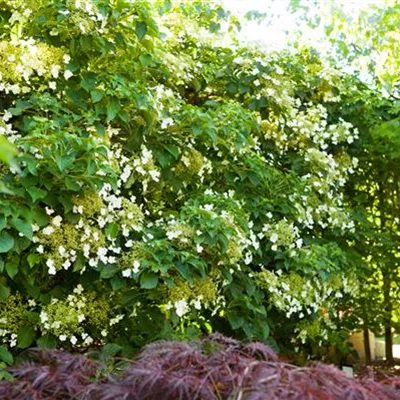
x=52 y=375
x=215 y=368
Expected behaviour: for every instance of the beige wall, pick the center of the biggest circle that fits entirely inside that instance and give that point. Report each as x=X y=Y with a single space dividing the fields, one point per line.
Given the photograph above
x=357 y=339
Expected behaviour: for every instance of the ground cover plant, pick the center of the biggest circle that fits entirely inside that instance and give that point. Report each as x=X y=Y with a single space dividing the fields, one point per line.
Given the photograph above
x=216 y=367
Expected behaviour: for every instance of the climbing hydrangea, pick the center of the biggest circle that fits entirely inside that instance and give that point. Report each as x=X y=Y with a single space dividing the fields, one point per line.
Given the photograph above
x=168 y=179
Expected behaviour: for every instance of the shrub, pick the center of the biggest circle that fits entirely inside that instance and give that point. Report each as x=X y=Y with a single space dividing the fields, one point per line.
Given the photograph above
x=170 y=182
x=214 y=368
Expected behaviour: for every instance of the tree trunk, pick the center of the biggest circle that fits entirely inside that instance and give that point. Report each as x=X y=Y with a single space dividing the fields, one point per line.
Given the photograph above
x=389 y=344
x=367 y=346
x=388 y=318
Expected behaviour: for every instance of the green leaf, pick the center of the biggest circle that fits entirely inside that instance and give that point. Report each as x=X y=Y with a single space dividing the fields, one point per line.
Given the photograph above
x=7 y=151
x=47 y=342
x=26 y=336
x=108 y=271
x=33 y=259
x=235 y=320
x=173 y=150
x=66 y=161
x=6 y=356
x=112 y=231
x=117 y=283
x=6 y=242
x=232 y=88
x=184 y=271
x=112 y=109
x=12 y=268
x=3 y=222
x=23 y=226
x=4 y=189
x=110 y=350
x=4 y=292
x=148 y=280
x=145 y=59
x=72 y=185
x=36 y=193
x=96 y=95
x=89 y=81
x=141 y=29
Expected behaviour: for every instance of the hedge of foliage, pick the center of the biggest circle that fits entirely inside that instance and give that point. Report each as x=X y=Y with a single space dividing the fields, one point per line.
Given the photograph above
x=169 y=181
x=213 y=368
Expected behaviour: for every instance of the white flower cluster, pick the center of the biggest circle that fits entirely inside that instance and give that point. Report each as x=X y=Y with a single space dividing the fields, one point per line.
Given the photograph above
x=282 y=235
x=294 y=295
x=183 y=306
x=140 y=168
x=61 y=243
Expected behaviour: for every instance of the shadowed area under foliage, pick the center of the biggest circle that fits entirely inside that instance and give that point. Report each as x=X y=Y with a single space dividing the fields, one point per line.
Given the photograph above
x=216 y=367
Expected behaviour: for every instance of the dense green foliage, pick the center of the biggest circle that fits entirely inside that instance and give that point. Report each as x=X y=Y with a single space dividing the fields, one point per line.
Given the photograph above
x=169 y=181
x=366 y=43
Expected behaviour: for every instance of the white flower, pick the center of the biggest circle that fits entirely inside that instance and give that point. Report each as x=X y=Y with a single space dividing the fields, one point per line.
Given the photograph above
x=208 y=207
x=57 y=220
x=104 y=333
x=66 y=58
x=88 y=341
x=166 y=122
x=126 y=273
x=248 y=259
x=62 y=338
x=81 y=317
x=55 y=70
x=129 y=243
x=48 y=230
x=136 y=266
x=116 y=319
x=73 y=340
x=43 y=317
x=86 y=250
x=93 y=262
x=79 y=289
x=62 y=251
x=77 y=209
x=274 y=237
x=199 y=248
x=51 y=268
x=274 y=247
x=66 y=264
x=31 y=303
x=181 y=308
x=68 y=74
x=299 y=242
x=49 y=211
x=52 y=85
x=155 y=175
x=7 y=116
x=173 y=234
x=40 y=249
x=102 y=251
x=197 y=304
